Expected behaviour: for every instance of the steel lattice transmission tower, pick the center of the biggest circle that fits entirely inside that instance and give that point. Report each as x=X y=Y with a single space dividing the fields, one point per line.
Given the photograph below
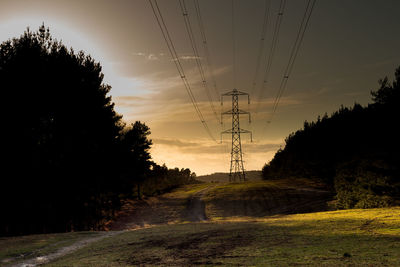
x=237 y=169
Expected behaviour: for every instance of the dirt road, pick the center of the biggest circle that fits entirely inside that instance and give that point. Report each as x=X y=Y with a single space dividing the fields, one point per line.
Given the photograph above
x=181 y=205
x=196 y=208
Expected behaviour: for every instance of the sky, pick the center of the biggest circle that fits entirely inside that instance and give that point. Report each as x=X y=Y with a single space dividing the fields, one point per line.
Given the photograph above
x=347 y=47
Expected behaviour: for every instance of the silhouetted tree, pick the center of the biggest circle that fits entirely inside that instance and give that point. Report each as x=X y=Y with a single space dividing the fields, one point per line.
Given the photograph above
x=67 y=158
x=136 y=146
x=338 y=149
x=60 y=136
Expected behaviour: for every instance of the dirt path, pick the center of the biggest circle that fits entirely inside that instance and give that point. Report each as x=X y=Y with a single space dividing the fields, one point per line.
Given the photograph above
x=63 y=251
x=166 y=209
x=196 y=208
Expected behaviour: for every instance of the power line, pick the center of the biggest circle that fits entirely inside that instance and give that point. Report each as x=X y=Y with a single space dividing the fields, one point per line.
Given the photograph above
x=175 y=59
x=272 y=50
x=299 y=38
x=262 y=39
x=233 y=44
x=205 y=46
x=196 y=54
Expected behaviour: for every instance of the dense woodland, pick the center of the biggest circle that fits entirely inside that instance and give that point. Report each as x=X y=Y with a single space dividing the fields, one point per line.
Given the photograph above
x=68 y=159
x=355 y=150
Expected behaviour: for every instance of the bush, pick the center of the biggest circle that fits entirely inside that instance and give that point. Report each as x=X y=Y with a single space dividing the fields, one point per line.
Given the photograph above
x=366 y=184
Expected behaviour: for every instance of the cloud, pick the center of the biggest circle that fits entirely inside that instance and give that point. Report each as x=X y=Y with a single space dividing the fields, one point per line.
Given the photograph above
x=263 y=148
x=206 y=147
x=175 y=142
x=129 y=101
x=139 y=54
x=324 y=90
x=189 y=57
x=148 y=56
x=186 y=58
x=152 y=57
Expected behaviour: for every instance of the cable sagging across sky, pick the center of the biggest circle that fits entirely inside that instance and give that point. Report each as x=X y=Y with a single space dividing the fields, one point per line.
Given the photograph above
x=205 y=46
x=175 y=58
x=261 y=46
x=197 y=55
x=275 y=36
x=293 y=54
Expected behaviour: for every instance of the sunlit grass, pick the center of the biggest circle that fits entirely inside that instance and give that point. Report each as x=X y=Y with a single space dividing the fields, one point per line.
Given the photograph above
x=187 y=190
x=334 y=238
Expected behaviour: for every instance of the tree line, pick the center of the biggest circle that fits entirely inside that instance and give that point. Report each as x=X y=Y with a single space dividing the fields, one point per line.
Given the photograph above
x=355 y=151
x=68 y=159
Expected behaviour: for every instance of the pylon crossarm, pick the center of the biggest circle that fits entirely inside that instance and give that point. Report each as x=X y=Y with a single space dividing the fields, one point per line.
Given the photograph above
x=234 y=92
x=227 y=132
x=249 y=132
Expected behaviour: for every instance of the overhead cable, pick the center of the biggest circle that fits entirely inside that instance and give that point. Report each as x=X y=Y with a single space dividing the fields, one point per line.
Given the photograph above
x=293 y=54
x=164 y=30
x=272 y=51
x=205 y=46
x=197 y=58
x=261 y=46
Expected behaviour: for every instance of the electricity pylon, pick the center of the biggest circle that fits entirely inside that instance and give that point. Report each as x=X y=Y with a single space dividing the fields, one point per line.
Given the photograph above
x=237 y=169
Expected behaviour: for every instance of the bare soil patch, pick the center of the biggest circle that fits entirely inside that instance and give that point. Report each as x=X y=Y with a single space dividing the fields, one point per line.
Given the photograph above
x=184 y=204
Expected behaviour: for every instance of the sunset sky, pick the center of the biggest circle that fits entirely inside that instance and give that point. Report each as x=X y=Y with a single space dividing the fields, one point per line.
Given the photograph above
x=347 y=48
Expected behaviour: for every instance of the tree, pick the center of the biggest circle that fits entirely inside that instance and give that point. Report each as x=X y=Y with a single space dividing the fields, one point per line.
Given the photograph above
x=136 y=146
x=60 y=136
x=388 y=94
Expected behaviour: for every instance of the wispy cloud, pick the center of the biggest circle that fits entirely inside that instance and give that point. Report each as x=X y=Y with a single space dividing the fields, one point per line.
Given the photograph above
x=140 y=54
x=152 y=57
x=205 y=146
x=186 y=58
x=189 y=57
x=148 y=56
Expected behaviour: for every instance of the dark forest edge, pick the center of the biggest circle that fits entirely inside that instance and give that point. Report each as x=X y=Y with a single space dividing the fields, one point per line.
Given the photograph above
x=355 y=151
x=69 y=159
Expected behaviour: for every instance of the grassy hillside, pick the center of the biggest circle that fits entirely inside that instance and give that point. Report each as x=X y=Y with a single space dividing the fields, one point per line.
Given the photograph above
x=224 y=177
x=265 y=198
x=335 y=238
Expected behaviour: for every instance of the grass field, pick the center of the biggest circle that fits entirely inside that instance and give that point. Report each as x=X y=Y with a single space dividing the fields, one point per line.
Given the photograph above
x=249 y=224
x=335 y=238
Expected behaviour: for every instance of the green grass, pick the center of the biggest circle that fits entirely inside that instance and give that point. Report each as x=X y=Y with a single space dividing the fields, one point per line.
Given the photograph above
x=335 y=238
x=188 y=190
x=264 y=198
x=14 y=249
